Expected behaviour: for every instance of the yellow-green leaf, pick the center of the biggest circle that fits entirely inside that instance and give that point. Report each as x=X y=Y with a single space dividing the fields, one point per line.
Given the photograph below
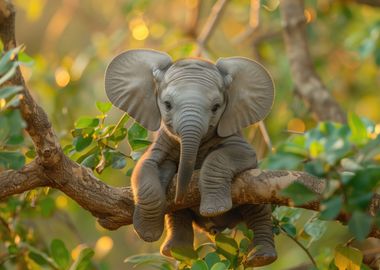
x=348 y=258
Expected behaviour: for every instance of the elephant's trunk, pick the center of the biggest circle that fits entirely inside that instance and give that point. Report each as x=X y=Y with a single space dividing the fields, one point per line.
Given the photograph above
x=191 y=135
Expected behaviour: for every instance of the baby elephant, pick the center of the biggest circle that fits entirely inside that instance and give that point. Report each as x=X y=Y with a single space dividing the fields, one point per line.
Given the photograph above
x=198 y=109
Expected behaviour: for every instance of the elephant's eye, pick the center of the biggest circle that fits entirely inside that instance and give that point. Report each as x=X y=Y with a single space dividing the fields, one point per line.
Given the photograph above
x=215 y=108
x=168 y=105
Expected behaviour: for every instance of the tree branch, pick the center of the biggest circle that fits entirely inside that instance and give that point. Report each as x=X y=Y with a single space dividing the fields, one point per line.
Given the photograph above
x=113 y=206
x=308 y=84
x=372 y=3
x=208 y=28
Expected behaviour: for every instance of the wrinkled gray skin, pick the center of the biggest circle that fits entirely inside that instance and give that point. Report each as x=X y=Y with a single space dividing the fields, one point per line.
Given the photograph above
x=199 y=108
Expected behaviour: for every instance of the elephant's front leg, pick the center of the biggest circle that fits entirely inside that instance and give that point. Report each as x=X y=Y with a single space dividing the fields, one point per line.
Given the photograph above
x=150 y=198
x=217 y=172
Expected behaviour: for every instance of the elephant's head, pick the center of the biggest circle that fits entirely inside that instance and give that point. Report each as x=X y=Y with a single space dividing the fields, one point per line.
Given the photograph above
x=191 y=98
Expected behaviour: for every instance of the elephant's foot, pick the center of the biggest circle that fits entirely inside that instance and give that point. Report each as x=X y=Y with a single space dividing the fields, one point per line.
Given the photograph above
x=149 y=227
x=212 y=205
x=261 y=255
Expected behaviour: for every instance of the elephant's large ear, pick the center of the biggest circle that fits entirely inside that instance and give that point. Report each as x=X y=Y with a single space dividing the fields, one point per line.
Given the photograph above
x=130 y=84
x=250 y=93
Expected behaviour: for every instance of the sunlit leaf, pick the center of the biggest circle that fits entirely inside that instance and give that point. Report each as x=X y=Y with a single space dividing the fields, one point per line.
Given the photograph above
x=103 y=107
x=315 y=229
x=151 y=259
x=347 y=258
x=226 y=246
x=184 y=254
x=359 y=134
x=85 y=122
x=25 y=59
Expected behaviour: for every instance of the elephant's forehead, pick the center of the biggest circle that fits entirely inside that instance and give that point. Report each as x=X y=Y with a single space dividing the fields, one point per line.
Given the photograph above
x=194 y=71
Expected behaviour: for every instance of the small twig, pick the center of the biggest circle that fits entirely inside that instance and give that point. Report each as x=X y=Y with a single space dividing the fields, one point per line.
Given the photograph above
x=208 y=28
x=308 y=84
x=301 y=246
x=192 y=18
x=264 y=133
x=253 y=25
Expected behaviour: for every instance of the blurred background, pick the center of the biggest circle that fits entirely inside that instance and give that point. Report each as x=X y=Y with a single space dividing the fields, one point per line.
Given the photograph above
x=72 y=41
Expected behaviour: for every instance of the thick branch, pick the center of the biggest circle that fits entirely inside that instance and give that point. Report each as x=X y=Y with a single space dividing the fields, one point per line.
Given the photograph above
x=15 y=182
x=113 y=206
x=308 y=84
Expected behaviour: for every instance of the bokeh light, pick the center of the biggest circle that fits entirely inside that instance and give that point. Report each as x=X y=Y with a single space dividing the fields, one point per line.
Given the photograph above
x=296 y=125
x=61 y=201
x=103 y=246
x=62 y=77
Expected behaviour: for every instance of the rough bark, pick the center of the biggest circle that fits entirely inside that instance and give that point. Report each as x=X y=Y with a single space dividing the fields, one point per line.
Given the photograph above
x=308 y=84
x=113 y=206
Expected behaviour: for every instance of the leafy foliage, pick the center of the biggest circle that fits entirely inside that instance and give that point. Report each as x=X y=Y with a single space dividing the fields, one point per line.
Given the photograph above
x=348 y=156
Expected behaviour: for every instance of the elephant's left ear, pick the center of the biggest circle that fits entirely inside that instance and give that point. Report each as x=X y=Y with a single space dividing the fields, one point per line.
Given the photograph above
x=250 y=92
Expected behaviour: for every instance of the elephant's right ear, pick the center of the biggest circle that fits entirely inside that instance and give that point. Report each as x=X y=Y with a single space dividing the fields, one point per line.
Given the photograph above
x=130 y=84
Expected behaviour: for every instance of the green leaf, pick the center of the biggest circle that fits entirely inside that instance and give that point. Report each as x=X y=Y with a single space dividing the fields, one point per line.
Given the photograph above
x=85 y=122
x=315 y=229
x=244 y=245
x=103 y=107
x=226 y=246
x=211 y=259
x=282 y=160
x=299 y=193
x=60 y=253
x=151 y=259
x=83 y=260
x=219 y=266
x=359 y=135
x=138 y=144
x=184 y=254
x=12 y=160
x=91 y=161
x=316 y=148
x=136 y=132
x=289 y=229
x=81 y=143
x=360 y=225
x=331 y=208
x=199 y=265
x=37 y=258
x=118 y=160
x=347 y=258
x=47 y=205
x=25 y=59
x=8 y=91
